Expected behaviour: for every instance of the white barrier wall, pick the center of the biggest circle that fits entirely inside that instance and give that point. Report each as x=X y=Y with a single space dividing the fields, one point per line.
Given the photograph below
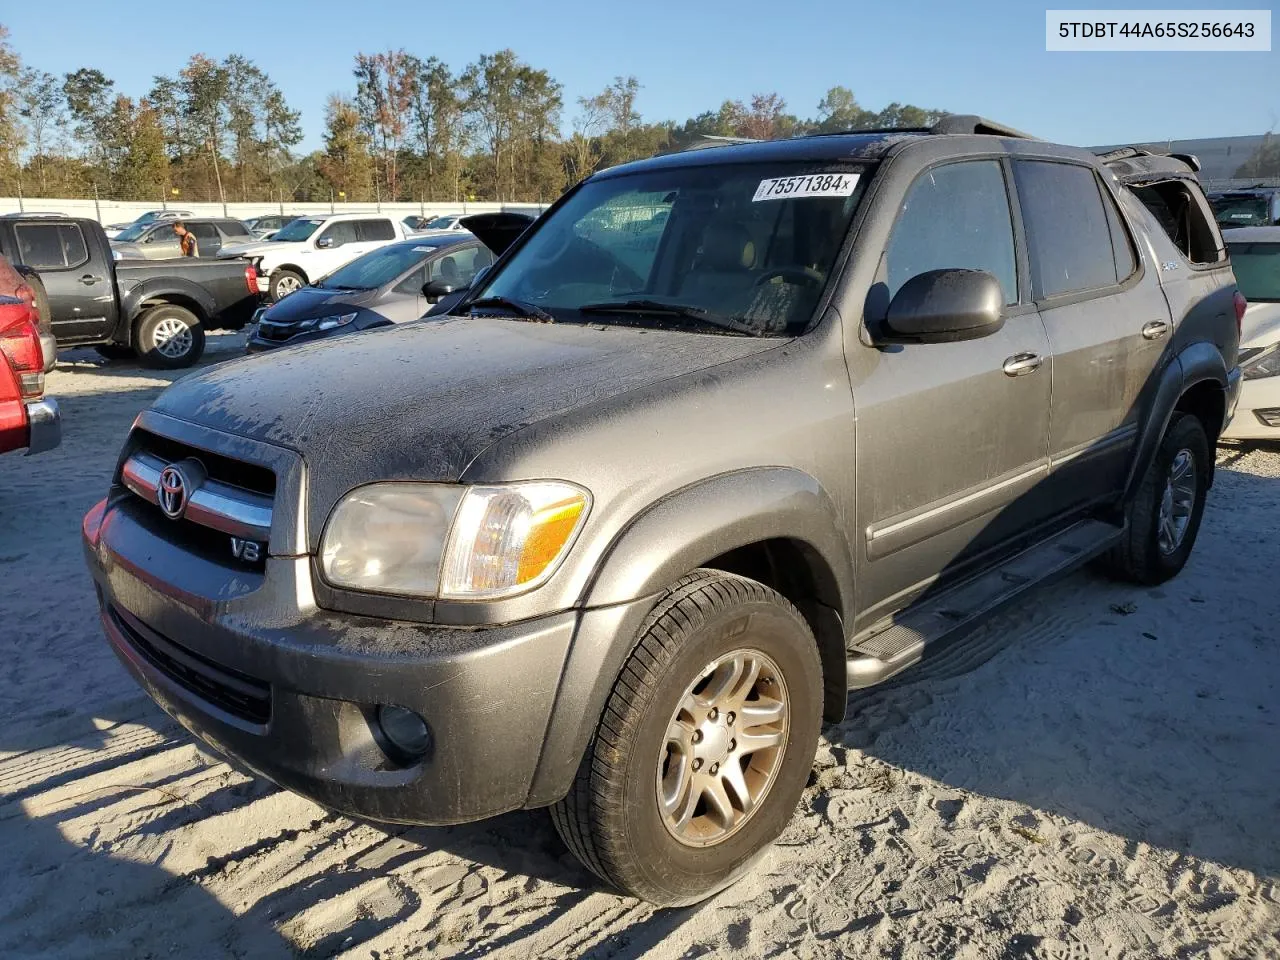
x=114 y=211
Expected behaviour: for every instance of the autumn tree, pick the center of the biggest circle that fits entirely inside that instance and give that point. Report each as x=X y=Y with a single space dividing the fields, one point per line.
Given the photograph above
x=10 y=129
x=346 y=164
x=384 y=97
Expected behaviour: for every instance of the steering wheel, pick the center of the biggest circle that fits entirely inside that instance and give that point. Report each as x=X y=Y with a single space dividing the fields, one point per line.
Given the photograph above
x=802 y=276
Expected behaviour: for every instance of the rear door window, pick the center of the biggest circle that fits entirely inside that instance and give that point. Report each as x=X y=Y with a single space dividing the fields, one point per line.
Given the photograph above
x=51 y=246
x=955 y=217
x=1068 y=235
x=375 y=230
x=233 y=228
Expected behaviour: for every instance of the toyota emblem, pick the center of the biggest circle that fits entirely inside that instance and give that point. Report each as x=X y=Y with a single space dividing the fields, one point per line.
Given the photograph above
x=172 y=494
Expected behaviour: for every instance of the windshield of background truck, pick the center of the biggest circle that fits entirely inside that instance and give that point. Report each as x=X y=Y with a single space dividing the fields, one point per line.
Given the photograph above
x=1237 y=211
x=1257 y=270
x=748 y=247
x=297 y=230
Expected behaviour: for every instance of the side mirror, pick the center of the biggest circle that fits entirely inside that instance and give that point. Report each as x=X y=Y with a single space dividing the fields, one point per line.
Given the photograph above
x=943 y=306
x=435 y=289
x=324 y=243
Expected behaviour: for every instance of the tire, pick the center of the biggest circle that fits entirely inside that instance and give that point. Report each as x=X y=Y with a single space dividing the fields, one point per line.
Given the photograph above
x=168 y=337
x=1148 y=554
x=285 y=282
x=115 y=351
x=611 y=819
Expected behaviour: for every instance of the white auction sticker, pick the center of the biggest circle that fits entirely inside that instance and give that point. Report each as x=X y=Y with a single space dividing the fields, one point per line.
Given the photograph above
x=809 y=185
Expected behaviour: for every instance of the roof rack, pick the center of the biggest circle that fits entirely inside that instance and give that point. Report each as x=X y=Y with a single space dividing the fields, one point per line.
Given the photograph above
x=952 y=123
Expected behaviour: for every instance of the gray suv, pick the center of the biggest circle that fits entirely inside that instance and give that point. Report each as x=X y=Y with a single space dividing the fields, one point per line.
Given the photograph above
x=723 y=435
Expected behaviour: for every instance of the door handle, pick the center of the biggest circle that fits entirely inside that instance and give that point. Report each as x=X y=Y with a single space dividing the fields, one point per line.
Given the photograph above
x=1022 y=363
x=1155 y=329
x=89 y=279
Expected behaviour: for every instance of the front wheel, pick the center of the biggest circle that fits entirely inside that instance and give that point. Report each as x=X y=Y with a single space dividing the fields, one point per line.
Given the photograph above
x=1164 y=516
x=705 y=744
x=285 y=282
x=169 y=337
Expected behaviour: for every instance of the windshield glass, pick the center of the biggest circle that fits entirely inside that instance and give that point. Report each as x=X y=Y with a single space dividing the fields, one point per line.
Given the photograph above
x=745 y=247
x=377 y=267
x=148 y=217
x=1241 y=211
x=1257 y=268
x=439 y=223
x=134 y=232
x=297 y=230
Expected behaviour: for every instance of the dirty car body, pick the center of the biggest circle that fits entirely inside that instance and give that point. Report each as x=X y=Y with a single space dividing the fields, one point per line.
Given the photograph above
x=725 y=364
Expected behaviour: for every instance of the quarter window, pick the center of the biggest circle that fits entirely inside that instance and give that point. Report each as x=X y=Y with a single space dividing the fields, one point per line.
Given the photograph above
x=51 y=246
x=955 y=217
x=1068 y=235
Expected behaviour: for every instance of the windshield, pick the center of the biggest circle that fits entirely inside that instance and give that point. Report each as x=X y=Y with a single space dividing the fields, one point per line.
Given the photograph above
x=296 y=230
x=1257 y=268
x=745 y=247
x=1241 y=211
x=135 y=231
x=377 y=267
x=439 y=223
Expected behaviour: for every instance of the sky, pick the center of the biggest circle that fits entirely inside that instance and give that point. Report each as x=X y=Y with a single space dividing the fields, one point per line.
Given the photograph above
x=966 y=57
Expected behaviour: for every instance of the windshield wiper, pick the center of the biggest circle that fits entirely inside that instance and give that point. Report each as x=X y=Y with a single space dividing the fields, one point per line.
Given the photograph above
x=519 y=306
x=661 y=308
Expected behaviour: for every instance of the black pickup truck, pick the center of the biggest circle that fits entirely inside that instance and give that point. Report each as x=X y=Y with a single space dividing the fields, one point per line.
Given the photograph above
x=157 y=310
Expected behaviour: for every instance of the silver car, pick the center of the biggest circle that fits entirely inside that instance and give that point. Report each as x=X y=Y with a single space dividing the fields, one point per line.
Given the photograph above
x=157 y=241
x=383 y=286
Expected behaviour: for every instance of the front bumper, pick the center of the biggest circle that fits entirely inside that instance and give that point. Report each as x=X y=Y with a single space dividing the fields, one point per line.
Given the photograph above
x=253 y=668
x=1259 y=401
x=44 y=423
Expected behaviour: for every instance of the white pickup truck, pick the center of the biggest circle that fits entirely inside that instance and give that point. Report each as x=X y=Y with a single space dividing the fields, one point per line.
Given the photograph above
x=310 y=247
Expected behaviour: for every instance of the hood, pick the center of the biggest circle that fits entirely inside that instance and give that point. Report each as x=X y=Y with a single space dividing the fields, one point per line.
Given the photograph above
x=1260 y=326
x=419 y=401
x=497 y=231
x=256 y=248
x=311 y=302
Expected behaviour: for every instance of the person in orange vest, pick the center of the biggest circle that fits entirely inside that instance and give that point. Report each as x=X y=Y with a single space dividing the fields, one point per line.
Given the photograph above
x=186 y=238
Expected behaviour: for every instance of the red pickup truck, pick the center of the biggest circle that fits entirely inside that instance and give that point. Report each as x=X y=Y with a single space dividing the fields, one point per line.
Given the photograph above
x=28 y=419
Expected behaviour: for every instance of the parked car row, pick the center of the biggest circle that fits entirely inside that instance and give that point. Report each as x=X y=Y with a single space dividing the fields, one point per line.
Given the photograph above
x=719 y=437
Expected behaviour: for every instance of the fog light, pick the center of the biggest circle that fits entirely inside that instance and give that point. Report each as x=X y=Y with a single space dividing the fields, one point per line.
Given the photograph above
x=1270 y=417
x=405 y=731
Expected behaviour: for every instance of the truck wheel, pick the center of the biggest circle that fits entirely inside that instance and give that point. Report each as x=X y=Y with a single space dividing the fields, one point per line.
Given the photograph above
x=705 y=745
x=285 y=282
x=169 y=337
x=1164 y=516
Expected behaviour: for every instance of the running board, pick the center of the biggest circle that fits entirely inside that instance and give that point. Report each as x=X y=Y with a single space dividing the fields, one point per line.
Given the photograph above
x=892 y=646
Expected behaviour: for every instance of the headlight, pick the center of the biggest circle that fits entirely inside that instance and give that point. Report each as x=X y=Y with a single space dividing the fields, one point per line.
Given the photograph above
x=1265 y=364
x=452 y=542
x=329 y=323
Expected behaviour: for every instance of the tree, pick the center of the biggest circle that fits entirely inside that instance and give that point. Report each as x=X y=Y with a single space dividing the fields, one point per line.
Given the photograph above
x=39 y=98
x=140 y=167
x=764 y=119
x=90 y=96
x=1265 y=163
x=839 y=110
x=384 y=95
x=10 y=130
x=204 y=85
x=346 y=163
x=437 y=123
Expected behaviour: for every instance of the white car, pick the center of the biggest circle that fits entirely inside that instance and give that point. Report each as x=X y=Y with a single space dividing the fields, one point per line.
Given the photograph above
x=448 y=223
x=1255 y=256
x=307 y=248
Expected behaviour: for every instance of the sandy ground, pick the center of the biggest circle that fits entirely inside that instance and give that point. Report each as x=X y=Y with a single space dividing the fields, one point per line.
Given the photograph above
x=1094 y=774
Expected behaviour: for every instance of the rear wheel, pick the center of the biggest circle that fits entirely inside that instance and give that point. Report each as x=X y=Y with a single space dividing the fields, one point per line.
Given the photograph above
x=169 y=337
x=705 y=744
x=1164 y=516
x=285 y=282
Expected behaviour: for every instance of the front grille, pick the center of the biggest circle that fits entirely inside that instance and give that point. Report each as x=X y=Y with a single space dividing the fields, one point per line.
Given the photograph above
x=277 y=332
x=229 y=690
x=237 y=473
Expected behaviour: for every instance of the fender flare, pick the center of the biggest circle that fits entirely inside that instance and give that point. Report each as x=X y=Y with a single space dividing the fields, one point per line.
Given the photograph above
x=671 y=537
x=173 y=288
x=1197 y=363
